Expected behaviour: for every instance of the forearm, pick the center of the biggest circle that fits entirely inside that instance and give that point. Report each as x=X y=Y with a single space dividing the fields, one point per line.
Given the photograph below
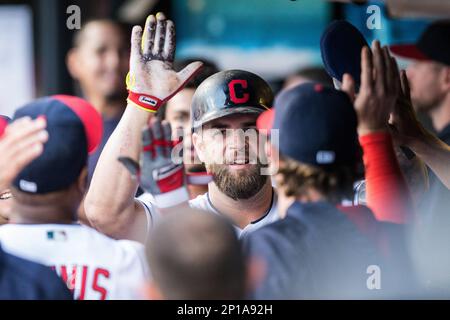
x=387 y=193
x=112 y=190
x=436 y=154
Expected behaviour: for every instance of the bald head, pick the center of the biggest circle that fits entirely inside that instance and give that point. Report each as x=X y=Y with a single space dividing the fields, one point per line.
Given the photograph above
x=196 y=255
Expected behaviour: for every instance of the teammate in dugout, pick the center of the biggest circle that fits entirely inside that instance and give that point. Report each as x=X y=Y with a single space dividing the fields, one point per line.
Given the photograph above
x=321 y=249
x=98 y=62
x=20 y=143
x=429 y=75
x=47 y=192
x=194 y=255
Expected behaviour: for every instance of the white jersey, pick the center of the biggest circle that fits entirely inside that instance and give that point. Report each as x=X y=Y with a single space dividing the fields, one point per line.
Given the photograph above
x=203 y=202
x=94 y=266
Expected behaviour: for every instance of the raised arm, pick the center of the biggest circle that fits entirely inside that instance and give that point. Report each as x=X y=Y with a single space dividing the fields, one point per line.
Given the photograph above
x=110 y=205
x=436 y=154
x=387 y=193
x=407 y=130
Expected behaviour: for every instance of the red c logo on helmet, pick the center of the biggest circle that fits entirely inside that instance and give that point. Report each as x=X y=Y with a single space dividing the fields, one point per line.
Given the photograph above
x=232 y=86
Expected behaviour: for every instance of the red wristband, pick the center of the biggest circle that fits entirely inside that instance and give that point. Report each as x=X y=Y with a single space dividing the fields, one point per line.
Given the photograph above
x=144 y=101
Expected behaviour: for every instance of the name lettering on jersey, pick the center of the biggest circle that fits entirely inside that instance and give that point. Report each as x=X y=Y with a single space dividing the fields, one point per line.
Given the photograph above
x=80 y=279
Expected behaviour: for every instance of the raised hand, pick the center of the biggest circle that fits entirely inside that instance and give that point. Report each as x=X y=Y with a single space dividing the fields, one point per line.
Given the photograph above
x=22 y=142
x=152 y=80
x=407 y=131
x=404 y=125
x=157 y=173
x=379 y=90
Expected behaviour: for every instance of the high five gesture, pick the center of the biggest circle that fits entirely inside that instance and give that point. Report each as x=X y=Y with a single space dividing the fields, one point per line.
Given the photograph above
x=152 y=80
x=110 y=204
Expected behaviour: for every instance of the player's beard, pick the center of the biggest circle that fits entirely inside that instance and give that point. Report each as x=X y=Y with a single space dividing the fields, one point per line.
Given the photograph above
x=241 y=184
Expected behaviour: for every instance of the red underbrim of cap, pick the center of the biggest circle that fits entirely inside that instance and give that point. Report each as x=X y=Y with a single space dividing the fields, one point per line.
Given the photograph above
x=409 y=51
x=3 y=124
x=265 y=120
x=91 y=119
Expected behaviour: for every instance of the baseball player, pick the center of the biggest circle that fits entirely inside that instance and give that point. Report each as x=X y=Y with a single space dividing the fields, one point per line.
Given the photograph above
x=429 y=79
x=323 y=247
x=226 y=100
x=195 y=255
x=98 y=62
x=25 y=280
x=384 y=189
x=315 y=251
x=47 y=193
x=20 y=143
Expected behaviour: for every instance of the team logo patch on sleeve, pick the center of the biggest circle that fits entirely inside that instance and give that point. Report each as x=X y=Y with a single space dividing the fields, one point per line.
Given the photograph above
x=56 y=235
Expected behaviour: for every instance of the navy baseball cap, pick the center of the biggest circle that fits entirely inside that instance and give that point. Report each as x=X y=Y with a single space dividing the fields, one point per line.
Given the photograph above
x=433 y=44
x=75 y=129
x=340 y=46
x=317 y=125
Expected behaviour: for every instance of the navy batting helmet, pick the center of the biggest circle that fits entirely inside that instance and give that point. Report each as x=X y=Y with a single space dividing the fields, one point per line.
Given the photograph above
x=230 y=92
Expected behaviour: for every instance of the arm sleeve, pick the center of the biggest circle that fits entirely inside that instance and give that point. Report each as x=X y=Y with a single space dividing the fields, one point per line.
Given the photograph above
x=151 y=211
x=386 y=191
